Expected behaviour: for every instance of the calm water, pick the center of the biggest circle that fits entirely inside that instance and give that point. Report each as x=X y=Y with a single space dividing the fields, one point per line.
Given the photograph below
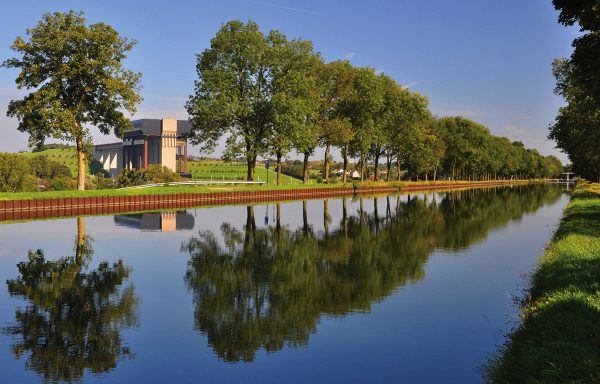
x=404 y=289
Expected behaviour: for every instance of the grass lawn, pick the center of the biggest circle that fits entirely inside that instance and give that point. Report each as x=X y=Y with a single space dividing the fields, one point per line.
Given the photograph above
x=213 y=189
x=205 y=170
x=163 y=190
x=558 y=340
x=63 y=156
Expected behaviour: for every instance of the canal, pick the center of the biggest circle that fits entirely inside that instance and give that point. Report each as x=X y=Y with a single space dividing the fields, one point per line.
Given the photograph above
x=408 y=288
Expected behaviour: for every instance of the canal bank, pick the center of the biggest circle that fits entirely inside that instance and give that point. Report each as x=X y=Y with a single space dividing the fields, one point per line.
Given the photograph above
x=367 y=289
x=558 y=339
x=76 y=203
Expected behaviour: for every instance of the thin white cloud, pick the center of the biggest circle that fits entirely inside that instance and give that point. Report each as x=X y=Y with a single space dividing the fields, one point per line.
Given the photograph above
x=349 y=55
x=297 y=10
x=515 y=131
x=457 y=112
x=522 y=117
x=410 y=85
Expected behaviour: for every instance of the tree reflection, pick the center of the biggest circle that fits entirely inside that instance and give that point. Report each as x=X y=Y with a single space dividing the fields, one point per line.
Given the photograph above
x=265 y=288
x=74 y=316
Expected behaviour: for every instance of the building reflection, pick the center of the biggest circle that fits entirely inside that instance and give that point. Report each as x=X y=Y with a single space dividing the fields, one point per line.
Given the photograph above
x=267 y=287
x=157 y=221
x=74 y=314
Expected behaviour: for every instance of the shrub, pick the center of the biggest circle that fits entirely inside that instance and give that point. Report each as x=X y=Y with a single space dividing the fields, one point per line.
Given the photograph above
x=15 y=174
x=62 y=183
x=103 y=182
x=154 y=174
x=158 y=174
x=44 y=168
x=131 y=177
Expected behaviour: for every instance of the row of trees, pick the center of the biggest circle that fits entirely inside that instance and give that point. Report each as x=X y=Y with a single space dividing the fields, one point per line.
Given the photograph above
x=76 y=77
x=268 y=95
x=264 y=93
x=577 y=126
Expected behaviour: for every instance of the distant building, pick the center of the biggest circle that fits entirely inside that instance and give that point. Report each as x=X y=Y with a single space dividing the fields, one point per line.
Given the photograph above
x=151 y=141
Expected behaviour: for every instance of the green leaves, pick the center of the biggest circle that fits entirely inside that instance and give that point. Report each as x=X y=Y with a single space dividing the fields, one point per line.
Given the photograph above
x=76 y=77
x=256 y=90
x=576 y=128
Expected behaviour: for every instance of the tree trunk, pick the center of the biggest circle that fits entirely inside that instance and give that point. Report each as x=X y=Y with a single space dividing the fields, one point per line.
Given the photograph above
x=398 y=168
x=80 y=164
x=362 y=167
x=389 y=168
x=278 y=168
x=251 y=162
x=305 y=168
x=453 y=169
x=345 y=155
x=327 y=148
x=376 y=176
x=434 y=173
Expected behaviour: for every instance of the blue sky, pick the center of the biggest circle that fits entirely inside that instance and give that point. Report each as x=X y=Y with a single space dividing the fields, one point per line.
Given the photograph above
x=488 y=60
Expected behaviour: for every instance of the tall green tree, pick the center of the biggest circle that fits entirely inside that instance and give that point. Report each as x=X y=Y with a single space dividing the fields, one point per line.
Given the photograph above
x=463 y=138
x=382 y=134
x=76 y=77
x=232 y=95
x=294 y=100
x=577 y=126
x=409 y=114
x=365 y=113
x=334 y=127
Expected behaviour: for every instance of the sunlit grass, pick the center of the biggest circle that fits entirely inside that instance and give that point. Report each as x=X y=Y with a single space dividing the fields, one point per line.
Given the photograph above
x=174 y=189
x=558 y=340
x=63 y=156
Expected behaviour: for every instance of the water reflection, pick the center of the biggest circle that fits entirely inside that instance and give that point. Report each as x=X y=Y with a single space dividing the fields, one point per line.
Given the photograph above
x=266 y=288
x=157 y=221
x=74 y=316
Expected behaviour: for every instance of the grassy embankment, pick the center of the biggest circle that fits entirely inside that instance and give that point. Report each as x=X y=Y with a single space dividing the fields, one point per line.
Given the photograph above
x=211 y=189
x=200 y=170
x=63 y=156
x=558 y=340
x=208 y=170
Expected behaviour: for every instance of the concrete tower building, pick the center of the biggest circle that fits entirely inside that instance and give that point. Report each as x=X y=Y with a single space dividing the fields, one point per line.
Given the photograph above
x=151 y=141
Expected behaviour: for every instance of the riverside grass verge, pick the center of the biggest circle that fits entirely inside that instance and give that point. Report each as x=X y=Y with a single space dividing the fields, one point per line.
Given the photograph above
x=558 y=340
x=175 y=189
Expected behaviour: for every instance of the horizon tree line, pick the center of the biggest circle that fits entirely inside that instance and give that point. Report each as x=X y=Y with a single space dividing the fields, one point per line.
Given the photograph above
x=265 y=95
x=268 y=95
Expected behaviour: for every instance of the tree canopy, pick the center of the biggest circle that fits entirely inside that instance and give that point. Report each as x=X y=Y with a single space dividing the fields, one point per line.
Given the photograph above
x=76 y=77
x=268 y=95
x=576 y=129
